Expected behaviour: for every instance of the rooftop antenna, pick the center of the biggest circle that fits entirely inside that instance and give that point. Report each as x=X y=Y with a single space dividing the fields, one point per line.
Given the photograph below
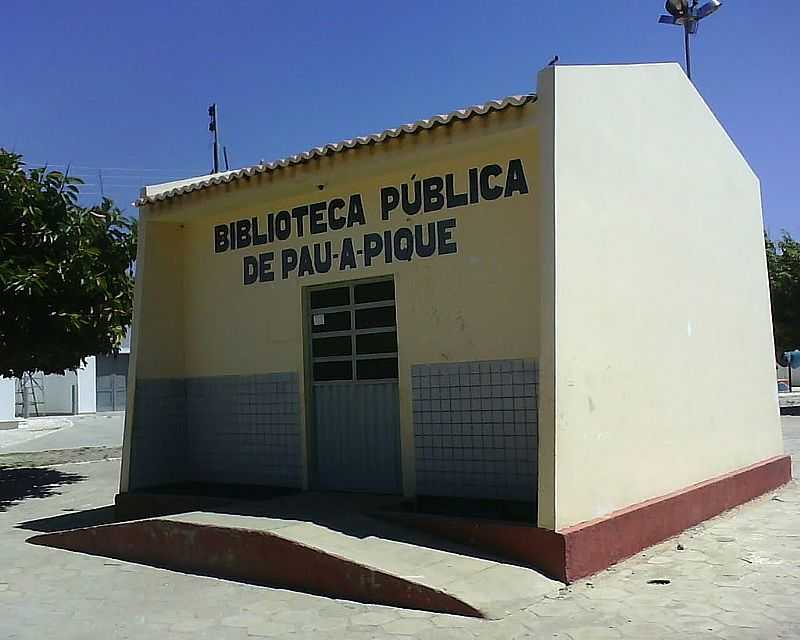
x=687 y=14
x=212 y=127
x=225 y=157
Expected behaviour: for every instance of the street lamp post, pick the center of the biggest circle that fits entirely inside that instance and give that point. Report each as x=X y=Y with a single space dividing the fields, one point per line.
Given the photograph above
x=686 y=14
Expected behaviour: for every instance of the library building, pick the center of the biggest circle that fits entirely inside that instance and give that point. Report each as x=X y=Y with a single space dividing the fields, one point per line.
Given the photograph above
x=515 y=303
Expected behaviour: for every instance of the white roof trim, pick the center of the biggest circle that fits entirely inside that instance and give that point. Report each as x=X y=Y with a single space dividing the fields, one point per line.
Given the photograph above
x=169 y=190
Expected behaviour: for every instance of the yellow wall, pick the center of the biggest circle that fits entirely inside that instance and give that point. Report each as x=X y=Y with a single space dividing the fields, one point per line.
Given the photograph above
x=478 y=304
x=161 y=325
x=157 y=344
x=546 y=399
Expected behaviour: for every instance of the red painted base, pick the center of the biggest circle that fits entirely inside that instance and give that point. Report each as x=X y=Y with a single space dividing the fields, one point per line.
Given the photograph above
x=586 y=548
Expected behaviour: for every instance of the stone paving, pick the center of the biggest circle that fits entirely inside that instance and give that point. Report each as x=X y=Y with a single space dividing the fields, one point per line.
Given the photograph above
x=734 y=577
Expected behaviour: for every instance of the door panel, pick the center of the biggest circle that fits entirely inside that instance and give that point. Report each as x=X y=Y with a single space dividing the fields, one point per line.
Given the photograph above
x=105 y=392
x=111 y=382
x=358 y=436
x=120 y=392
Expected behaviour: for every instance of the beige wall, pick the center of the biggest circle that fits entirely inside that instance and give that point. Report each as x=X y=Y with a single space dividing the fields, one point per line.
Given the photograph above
x=478 y=304
x=659 y=283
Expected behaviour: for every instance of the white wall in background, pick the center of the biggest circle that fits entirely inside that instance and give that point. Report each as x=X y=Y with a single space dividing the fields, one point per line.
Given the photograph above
x=7 y=399
x=58 y=394
x=87 y=386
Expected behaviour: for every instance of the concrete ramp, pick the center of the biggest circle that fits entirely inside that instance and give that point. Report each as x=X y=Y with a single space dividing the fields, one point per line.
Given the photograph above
x=355 y=558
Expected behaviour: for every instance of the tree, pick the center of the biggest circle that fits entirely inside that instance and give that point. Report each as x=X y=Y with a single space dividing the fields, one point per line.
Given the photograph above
x=783 y=264
x=66 y=283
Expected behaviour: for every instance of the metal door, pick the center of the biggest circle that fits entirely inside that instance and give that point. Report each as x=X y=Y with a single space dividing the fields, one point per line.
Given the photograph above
x=355 y=402
x=112 y=382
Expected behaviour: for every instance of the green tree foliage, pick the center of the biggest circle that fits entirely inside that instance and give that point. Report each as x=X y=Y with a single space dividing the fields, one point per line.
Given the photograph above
x=66 y=286
x=783 y=264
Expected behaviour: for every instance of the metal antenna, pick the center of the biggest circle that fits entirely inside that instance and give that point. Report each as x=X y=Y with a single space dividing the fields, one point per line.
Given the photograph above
x=688 y=15
x=212 y=127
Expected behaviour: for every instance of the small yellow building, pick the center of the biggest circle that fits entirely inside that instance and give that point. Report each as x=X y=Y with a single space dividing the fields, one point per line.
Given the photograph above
x=526 y=301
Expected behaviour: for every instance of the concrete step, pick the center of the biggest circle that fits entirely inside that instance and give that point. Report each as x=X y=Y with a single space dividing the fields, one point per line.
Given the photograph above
x=318 y=544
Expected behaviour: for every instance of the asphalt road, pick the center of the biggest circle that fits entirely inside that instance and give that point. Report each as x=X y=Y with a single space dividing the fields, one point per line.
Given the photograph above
x=91 y=430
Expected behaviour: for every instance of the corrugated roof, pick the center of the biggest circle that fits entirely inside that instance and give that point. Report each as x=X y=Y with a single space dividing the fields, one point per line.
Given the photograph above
x=157 y=193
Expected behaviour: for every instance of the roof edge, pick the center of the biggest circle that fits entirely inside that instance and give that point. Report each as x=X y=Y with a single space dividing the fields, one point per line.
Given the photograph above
x=170 y=190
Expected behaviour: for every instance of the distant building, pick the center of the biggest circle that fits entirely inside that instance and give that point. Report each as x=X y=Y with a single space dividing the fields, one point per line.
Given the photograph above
x=99 y=385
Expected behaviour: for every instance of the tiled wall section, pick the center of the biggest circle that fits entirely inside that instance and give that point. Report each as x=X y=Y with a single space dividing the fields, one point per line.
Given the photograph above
x=245 y=429
x=227 y=429
x=158 y=446
x=475 y=429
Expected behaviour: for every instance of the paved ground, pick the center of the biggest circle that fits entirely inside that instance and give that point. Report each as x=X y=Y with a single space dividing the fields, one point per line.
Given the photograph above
x=735 y=577
x=67 y=432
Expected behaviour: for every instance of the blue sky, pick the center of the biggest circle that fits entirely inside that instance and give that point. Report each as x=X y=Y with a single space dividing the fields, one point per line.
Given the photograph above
x=123 y=87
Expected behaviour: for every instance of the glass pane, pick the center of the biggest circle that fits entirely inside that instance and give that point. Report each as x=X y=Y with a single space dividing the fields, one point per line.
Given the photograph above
x=374 y=291
x=330 y=298
x=377 y=317
x=376 y=343
x=327 y=347
x=327 y=371
x=336 y=321
x=380 y=369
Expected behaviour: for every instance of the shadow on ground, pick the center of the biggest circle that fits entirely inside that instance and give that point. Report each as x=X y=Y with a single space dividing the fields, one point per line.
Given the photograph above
x=71 y=520
x=21 y=483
